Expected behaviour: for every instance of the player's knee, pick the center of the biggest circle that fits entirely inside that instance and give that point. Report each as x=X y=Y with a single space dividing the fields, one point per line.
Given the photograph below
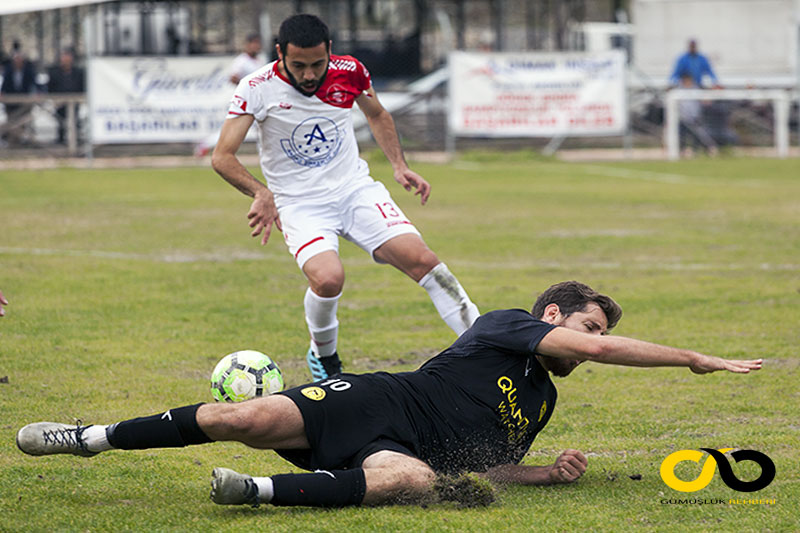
x=420 y=480
x=327 y=283
x=399 y=484
x=425 y=261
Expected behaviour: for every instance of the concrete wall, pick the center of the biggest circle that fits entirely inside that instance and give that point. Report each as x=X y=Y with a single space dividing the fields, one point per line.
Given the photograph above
x=747 y=41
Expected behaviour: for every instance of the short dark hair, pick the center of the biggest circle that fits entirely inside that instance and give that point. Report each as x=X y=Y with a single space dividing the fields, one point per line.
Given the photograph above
x=304 y=31
x=573 y=296
x=252 y=36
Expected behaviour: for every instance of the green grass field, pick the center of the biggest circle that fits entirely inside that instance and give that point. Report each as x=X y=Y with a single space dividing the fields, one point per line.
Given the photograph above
x=127 y=286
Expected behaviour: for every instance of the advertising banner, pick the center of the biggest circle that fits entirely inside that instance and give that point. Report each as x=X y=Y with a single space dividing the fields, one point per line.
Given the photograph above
x=157 y=99
x=537 y=94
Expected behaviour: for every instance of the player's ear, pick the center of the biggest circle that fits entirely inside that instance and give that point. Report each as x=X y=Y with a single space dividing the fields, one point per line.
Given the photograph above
x=278 y=51
x=552 y=314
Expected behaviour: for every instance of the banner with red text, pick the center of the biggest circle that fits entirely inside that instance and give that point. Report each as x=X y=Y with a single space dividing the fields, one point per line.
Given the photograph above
x=531 y=94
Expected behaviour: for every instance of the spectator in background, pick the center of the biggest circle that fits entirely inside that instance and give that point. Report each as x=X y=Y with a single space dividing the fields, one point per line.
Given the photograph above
x=693 y=131
x=248 y=61
x=19 y=77
x=65 y=78
x=694 y=64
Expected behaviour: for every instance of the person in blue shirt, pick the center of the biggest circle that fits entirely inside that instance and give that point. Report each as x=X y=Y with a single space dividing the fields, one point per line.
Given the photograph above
x=694 y=64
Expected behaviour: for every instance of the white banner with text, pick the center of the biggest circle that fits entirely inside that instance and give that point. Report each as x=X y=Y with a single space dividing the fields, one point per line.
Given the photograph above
x=531 y=94
x=157 y=99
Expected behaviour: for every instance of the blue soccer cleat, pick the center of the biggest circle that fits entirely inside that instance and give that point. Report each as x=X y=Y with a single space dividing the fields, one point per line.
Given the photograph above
x=323 y=367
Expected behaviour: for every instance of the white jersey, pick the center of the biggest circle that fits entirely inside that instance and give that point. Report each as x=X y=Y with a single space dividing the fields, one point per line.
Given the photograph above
x=307 y=144
x=245 y=64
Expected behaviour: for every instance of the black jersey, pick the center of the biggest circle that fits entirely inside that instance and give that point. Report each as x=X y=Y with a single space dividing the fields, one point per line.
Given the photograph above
x=483 y=400
x=478 y=404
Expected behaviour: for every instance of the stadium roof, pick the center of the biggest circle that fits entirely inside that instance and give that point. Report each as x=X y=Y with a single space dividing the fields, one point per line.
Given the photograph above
x=8 y=7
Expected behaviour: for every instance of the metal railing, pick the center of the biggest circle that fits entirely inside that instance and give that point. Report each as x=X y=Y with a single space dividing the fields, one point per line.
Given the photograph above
x=19 y=116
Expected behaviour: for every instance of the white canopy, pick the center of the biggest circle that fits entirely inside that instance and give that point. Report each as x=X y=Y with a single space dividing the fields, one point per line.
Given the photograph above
x=8 y=7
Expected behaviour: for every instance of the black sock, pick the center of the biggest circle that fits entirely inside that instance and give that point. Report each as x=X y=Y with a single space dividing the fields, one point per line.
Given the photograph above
x=336 y=488
x=173 y=429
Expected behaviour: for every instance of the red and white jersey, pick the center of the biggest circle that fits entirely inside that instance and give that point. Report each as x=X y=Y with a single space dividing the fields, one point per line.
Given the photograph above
x=307 y=144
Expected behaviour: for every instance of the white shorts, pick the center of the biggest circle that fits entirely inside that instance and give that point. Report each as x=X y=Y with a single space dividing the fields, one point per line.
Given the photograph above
x=368 y=218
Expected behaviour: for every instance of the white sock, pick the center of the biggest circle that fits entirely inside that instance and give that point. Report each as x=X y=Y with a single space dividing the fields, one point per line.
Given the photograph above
x=265 y=490
x=449 y=298
x=323 y=326
x=95 y=439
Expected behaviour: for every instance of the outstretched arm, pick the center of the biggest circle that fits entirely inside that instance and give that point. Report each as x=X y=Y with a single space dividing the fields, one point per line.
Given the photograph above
x=382 y=126
x=567 y=343
x=569 y=466
x=263 y=212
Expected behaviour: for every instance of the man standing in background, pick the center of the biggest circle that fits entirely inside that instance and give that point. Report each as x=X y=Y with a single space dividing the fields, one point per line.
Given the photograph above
x=695 y=65
x=250 y=60
x=65 y=78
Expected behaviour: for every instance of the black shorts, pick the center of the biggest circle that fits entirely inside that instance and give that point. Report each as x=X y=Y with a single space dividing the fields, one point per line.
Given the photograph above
x=348 y=418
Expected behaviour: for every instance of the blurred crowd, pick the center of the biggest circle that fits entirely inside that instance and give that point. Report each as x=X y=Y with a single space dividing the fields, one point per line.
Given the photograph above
x=20 y=76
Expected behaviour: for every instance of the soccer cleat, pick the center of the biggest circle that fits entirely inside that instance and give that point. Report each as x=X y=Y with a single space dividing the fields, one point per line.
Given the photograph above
x=323 y=367
x=232 y=488
x=48 y=438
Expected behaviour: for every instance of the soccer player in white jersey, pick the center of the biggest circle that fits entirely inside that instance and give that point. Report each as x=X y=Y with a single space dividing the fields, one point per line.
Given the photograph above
x=318 y=188
x=249 y=60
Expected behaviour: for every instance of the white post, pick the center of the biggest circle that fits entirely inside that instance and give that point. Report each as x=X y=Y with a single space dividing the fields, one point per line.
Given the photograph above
x=797 y=87
x=72 y=128
x=449 y=134
x=90 y=38
x=781 y=105
x=671 y=130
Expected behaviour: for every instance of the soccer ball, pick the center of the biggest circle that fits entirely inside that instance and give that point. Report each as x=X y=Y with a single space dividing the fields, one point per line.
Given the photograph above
x=243 y=375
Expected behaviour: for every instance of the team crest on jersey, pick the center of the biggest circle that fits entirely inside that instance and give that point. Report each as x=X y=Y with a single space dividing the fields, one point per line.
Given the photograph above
x=336 y=94
x=314 y=142
x=313 y=393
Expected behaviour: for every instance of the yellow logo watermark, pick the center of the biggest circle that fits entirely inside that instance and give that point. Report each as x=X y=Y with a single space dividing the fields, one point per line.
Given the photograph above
x=717 y=458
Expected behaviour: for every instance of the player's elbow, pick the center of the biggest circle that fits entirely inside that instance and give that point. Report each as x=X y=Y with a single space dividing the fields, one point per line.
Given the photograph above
x=219 y=161
x=594 y=349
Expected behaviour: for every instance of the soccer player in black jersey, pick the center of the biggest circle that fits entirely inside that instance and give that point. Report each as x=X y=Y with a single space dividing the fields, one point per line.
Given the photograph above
x=383 y=438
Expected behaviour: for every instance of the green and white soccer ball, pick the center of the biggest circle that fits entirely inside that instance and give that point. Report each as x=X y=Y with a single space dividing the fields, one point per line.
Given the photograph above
x=243 y=375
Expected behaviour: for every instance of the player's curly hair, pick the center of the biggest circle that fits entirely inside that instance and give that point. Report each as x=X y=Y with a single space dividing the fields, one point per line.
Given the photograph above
x=304 y=31
x=572 y=296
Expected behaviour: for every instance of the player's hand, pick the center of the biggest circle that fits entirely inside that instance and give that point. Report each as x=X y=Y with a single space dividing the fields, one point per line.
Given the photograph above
x=569 y=466
x=411 y=180
x=703 y=364
x=263 y=214
x=3 y=302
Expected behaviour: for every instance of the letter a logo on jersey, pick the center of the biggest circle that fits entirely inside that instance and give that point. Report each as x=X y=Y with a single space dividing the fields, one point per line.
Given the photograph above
x=314 y=142
x=317 y=134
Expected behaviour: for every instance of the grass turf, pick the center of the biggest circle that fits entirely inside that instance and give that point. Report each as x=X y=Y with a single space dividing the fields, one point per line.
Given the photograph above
x=127 y=286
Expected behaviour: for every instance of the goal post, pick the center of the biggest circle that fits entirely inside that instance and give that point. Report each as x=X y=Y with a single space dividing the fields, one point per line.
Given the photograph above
x=780 y=102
